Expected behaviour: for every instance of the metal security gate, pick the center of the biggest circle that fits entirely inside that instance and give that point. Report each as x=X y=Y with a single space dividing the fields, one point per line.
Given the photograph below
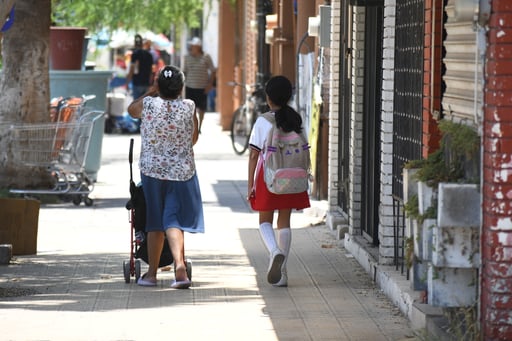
x=344 y=108
x=408 y=100
x=370 y=182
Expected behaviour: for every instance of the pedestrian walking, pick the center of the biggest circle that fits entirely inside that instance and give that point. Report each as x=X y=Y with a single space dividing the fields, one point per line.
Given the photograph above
x=278 y=92
x=168 y=132
x=200 y=73
x=141 y=68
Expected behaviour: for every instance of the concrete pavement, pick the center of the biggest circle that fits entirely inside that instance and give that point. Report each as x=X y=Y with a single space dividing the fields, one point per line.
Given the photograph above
x=73 y=289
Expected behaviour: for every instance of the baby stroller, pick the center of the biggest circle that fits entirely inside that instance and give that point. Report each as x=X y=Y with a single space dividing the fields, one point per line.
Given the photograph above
x=138 y=242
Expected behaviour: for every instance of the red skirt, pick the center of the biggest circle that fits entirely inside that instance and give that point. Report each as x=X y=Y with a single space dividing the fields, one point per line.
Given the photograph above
x=263 y=200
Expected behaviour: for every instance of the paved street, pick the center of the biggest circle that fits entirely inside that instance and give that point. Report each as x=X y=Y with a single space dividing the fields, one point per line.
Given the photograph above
x=73 y=289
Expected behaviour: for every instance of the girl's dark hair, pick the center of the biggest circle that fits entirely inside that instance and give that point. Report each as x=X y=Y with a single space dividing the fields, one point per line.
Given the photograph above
x=170 y=82
x=279 y=91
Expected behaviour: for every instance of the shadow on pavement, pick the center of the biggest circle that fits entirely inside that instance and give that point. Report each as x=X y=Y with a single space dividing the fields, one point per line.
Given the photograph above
x=329 y=296
x=95 y=282
x=224 y=190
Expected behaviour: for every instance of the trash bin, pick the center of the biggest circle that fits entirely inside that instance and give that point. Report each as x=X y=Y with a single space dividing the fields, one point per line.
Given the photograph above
x=67 y=47
x=76 y=83
x=93 y=158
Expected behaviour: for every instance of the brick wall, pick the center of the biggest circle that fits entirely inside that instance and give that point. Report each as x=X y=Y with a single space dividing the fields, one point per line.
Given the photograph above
x=386 y=202
x=496 y=239
x=334 y=68
x=356 y=120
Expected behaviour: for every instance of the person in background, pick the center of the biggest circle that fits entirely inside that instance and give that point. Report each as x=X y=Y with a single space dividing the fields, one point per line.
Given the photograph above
x=148 y=45
x=200 y=73
x=168 y=132
x=279 y=92
x=141 y=67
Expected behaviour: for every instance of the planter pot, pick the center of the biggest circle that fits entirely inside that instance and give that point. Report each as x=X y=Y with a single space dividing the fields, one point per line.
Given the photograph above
x=67 y=47
x=410 y=183
x=422 y=236
x=452 y=287
x=456 y=238
x=456 y=247
x=459 y=205
x=425 y=197
x=427 y=236
x=417 y=230
x=419 y=275
x=19 y=224
x=410 y=189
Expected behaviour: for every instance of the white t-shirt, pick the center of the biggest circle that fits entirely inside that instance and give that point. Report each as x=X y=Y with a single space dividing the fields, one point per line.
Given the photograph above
x=259 y=133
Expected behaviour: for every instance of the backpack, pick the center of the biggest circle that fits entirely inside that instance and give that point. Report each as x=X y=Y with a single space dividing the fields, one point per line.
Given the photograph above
x=287 y=161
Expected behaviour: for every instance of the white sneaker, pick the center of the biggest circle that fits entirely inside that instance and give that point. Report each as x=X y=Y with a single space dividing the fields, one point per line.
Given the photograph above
x=274 y=268
x=283 y=282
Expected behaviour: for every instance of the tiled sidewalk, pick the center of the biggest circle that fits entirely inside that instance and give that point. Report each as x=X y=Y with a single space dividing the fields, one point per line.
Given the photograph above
x=73 y=289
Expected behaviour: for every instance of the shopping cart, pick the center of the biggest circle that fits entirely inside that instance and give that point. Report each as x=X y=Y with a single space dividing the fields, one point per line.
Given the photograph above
x=61 y=148
x=68 y=109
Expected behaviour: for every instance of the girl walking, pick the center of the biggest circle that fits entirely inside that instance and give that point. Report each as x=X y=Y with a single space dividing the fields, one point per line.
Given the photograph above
x=279 y=92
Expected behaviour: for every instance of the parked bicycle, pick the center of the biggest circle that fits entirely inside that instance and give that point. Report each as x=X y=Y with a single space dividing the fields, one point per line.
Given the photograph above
x=245 y=116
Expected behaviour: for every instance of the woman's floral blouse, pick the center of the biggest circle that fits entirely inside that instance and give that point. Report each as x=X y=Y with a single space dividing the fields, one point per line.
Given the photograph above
x=166 y=139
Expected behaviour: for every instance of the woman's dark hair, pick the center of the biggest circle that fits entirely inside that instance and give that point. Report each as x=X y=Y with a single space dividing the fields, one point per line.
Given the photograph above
x=170 y=82
x=279 y=91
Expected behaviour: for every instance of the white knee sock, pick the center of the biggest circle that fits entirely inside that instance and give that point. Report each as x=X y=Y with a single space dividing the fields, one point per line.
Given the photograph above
x=284 y=241
x=268 y=236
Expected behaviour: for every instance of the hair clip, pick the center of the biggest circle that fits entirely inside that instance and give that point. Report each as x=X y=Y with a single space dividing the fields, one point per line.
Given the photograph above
x=167 y=73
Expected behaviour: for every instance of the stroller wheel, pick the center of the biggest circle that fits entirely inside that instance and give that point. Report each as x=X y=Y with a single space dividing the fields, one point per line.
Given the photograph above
x=88 y=201
x=77 y=200
x=126 y=271
x=137 y=270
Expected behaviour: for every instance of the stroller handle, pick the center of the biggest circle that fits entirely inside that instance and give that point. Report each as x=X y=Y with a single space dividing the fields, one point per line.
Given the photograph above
x=130 y=154
x=130 y=159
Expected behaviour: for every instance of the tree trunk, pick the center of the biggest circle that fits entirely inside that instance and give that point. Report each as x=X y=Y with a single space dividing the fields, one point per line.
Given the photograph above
x=24 y=83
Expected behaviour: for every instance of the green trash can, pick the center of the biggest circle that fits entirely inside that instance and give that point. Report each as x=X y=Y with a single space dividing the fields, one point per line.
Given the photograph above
x=93 y=157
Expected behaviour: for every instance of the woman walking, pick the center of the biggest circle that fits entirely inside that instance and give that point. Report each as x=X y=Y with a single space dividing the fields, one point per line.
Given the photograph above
x=169 y=129
x=279 y=92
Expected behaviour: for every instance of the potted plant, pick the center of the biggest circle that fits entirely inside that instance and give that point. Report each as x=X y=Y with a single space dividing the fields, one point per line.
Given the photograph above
x=447 y=213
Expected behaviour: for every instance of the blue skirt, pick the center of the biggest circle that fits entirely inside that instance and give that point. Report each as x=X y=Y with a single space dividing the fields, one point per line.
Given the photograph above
x=173 y=204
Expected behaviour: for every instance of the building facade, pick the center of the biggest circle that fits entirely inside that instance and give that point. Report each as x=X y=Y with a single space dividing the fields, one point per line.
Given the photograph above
x=393 y=82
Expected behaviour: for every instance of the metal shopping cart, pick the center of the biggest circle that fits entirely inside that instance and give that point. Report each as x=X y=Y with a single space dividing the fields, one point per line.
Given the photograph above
x=62 y=149
x=68 y=109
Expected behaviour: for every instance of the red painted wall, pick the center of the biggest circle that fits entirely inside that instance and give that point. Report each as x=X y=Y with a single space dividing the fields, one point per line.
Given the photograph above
x=432 y=75
x=496 y=239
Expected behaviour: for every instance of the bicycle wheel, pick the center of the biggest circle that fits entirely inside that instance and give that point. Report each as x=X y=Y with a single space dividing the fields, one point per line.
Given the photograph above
x=240 y=130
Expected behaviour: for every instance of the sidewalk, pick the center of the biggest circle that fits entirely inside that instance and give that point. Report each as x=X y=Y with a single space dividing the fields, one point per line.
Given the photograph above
x=73 y=289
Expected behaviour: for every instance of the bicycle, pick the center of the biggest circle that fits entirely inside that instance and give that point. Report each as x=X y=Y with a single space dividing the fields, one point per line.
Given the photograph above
x=245 y=116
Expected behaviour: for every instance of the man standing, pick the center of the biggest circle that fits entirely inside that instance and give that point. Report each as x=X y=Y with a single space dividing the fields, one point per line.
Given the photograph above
x=200 y=76
x=141 y=68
